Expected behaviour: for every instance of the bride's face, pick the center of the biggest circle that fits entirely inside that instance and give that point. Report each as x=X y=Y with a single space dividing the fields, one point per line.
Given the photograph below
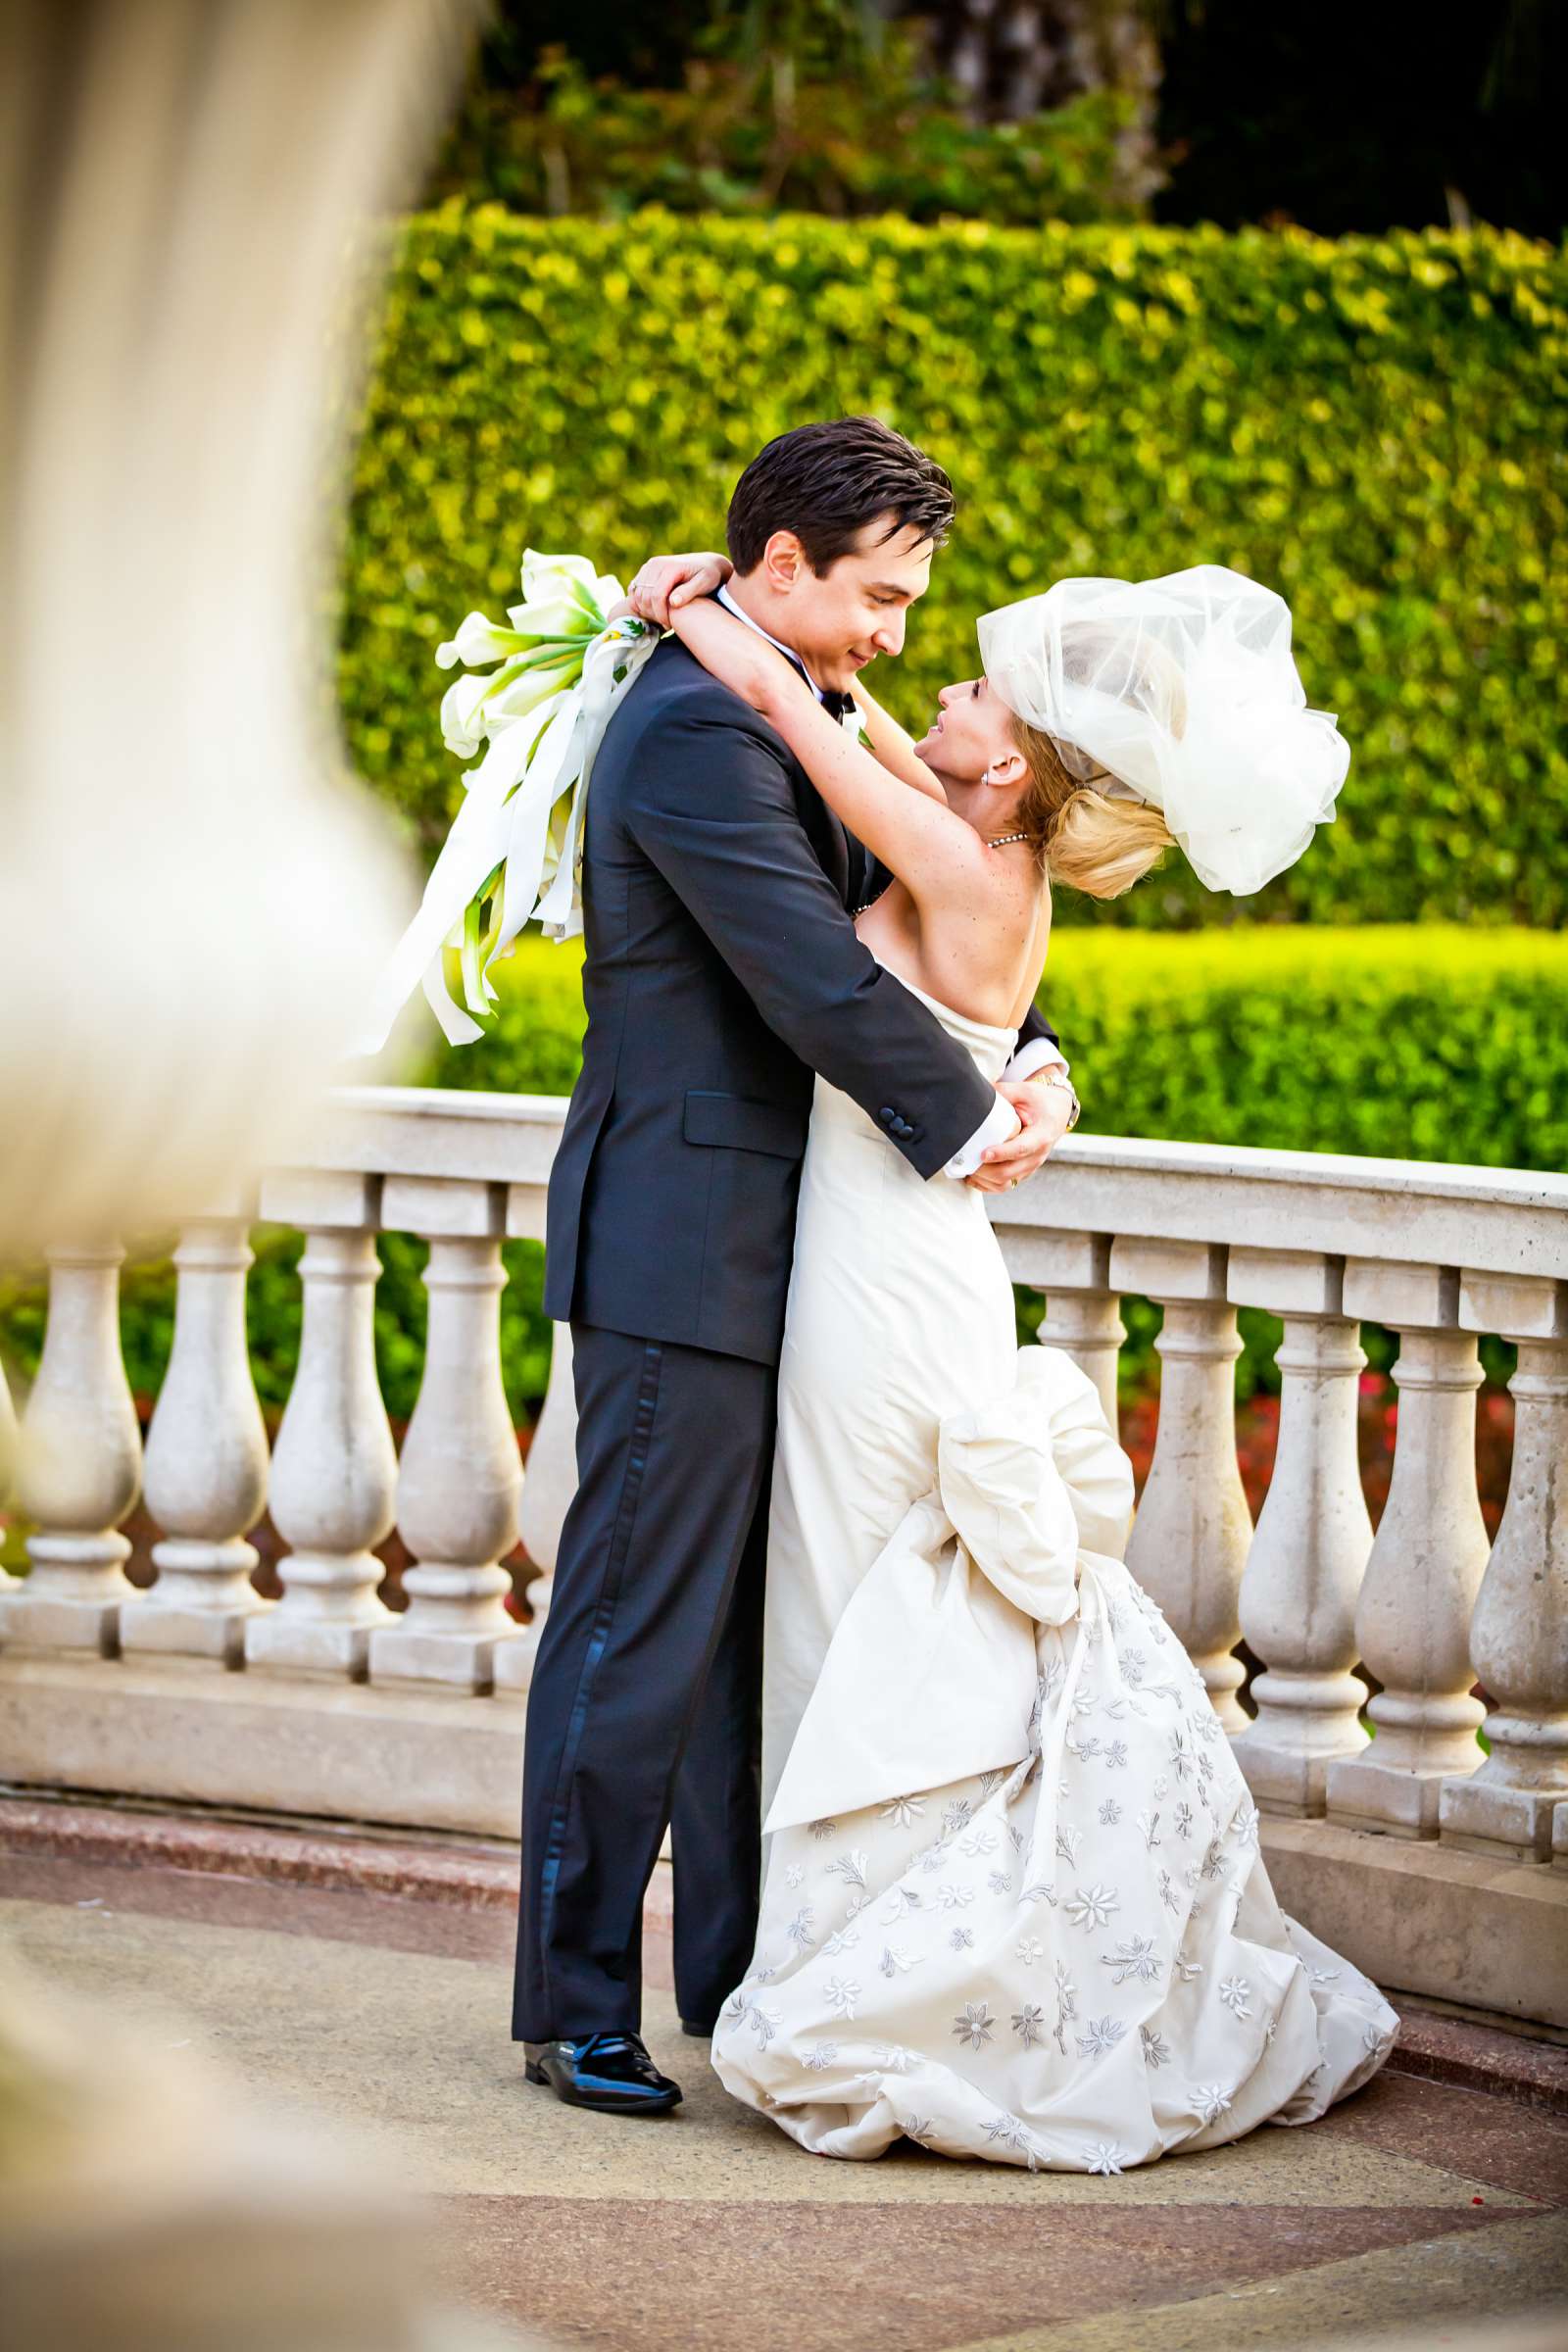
x=971 y=732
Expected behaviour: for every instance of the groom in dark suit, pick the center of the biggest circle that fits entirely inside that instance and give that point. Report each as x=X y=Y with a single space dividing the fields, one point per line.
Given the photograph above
x=722 y=969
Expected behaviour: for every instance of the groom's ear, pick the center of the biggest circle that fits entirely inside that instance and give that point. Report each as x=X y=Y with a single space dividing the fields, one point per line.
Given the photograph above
x=784 y=561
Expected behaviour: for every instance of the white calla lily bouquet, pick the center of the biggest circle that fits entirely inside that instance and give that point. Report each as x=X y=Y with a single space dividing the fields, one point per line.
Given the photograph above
x=515 y=852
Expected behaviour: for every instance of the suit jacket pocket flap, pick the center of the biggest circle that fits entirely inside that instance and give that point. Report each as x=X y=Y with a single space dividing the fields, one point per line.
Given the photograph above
x=745 y=1125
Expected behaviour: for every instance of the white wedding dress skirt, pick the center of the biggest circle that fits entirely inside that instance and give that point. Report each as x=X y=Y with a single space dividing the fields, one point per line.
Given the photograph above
x=899 y=1313
x=1013 y=1904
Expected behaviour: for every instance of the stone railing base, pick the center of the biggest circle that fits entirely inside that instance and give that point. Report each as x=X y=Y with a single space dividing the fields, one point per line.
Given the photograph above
x=1423 y=1918
x=1418 y=1917
x=456 y=1872
x=405 y=1757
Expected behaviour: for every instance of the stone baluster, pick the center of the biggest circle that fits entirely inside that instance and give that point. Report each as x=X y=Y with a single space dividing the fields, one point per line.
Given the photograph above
x=1190 y=1539
x=1083 y=1311
x=334 y=1466
x=205 y=1480
x=8 y=1467
x=80 y=1463
x=548 y=1487
x=1519 y=1632
x=1309 y=1554
x=459 y=1476
x=1412 y=1622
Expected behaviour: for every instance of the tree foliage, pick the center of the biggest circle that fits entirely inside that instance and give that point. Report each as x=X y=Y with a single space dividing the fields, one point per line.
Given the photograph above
x=820 y=122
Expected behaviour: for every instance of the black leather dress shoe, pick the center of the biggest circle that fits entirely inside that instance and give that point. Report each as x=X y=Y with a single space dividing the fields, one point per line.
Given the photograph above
x=699 y=2033
x=611 y=2072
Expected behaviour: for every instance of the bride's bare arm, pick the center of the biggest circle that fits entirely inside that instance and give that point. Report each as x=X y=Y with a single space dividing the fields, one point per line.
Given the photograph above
x=912 y=832
x=664 y=583
x=894 y=746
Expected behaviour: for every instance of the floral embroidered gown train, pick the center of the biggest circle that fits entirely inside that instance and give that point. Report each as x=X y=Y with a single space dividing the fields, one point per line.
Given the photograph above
x=1013 y=1903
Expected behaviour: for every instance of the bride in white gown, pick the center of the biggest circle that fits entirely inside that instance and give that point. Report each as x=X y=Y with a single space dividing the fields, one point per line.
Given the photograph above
x=1013 y=1903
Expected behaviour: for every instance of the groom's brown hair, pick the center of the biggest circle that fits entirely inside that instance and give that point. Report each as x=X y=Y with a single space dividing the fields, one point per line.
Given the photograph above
x=826 y=482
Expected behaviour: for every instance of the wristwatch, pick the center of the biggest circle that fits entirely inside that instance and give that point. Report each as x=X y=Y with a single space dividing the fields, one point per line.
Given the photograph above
x=1067 y=1087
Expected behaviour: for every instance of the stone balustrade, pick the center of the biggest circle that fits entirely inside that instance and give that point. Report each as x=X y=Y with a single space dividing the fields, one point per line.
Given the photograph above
x=1438 y=1861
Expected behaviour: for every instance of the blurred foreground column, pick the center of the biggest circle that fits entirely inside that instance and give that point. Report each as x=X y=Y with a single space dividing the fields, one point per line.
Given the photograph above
x=194 y=905
x=194 y=898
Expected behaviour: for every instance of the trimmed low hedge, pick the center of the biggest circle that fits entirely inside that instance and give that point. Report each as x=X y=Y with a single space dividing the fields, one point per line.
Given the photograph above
x=1433 y=1044
x=1422 y=1043
x=1368 y=424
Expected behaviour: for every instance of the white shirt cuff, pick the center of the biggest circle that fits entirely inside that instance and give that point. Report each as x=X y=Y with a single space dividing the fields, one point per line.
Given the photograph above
x=1032 y=1058
x=1000 y=1121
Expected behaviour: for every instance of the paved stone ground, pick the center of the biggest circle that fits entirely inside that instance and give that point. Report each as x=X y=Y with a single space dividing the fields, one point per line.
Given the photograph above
x=1415 y=2205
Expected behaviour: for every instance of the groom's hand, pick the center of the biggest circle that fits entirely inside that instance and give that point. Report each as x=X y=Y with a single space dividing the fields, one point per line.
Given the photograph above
x=1045 y=1111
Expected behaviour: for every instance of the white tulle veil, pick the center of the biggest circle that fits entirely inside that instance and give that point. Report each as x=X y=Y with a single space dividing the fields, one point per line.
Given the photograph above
x=1181 y=692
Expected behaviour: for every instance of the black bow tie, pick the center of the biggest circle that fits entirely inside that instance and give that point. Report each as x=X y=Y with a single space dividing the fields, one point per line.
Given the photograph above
x=836 y=705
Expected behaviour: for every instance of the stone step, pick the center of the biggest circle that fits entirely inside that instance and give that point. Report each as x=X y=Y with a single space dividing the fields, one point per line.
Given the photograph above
x=464 y=1874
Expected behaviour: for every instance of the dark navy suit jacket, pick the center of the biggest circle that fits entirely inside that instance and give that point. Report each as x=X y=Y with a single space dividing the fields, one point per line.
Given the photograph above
x=721 y=970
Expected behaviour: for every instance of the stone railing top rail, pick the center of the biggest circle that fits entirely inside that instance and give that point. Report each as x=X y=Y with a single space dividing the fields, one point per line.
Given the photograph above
x=1509 y=1221
x=440 y=1131
x=1497 y=1220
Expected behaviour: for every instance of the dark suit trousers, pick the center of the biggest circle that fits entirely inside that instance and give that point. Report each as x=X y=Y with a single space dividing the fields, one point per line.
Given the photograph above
x=646 y=1706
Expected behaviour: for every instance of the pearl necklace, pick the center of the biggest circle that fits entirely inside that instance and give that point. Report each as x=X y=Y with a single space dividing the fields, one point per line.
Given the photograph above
x=999 y=843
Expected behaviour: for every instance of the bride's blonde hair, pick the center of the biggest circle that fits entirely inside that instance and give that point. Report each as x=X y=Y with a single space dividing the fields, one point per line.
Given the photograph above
x=1099 y=846
x=1094 y=845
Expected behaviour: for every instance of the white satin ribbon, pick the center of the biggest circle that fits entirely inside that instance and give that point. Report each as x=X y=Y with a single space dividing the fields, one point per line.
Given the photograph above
x=931 y=1673
x=523 y=811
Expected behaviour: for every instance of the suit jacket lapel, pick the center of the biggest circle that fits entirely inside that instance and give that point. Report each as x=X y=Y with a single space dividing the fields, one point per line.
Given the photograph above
x=844 y=860
x=834 y=847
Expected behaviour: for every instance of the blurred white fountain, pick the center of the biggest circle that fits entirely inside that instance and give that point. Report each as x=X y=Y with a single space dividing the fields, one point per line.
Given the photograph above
x=194 y=896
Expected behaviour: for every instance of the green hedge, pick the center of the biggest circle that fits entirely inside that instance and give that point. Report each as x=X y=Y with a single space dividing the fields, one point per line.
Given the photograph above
x=1370 y=425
